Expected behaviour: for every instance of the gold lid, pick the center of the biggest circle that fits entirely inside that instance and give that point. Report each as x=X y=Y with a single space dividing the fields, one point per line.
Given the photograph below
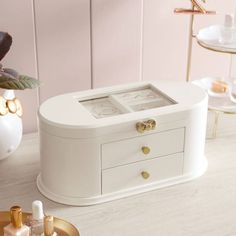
x=48 y=226
x=16 y=216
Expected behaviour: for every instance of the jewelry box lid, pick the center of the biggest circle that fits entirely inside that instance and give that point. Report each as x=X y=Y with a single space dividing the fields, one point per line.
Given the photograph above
x=92 y=113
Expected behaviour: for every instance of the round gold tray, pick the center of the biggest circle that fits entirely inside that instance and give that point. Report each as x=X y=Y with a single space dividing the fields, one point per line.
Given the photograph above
x=63 y=228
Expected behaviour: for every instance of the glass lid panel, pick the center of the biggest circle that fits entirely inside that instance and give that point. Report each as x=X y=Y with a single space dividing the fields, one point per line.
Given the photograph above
x=126 y=102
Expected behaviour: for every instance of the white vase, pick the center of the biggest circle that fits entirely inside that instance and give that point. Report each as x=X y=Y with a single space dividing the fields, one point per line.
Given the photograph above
x=10 y=130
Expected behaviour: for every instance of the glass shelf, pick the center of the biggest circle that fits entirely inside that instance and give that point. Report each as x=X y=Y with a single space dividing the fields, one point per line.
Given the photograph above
x=209 y=38
x=128 y=101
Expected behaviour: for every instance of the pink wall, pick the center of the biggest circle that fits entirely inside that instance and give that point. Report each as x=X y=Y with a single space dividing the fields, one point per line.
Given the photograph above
x=63 y=46
x=116 y=41
x=72 y=45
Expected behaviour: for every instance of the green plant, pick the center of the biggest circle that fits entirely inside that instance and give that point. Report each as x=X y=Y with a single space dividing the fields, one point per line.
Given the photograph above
x=9 y=78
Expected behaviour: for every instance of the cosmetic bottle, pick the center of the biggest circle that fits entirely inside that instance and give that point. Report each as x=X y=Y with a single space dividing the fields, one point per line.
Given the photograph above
x=16 y=227
x=48 y=227
x=36 y=220
x=227 y=31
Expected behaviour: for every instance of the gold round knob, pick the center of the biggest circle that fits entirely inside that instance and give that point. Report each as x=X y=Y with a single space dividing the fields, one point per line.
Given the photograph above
x=145 y=174
x=141 y=127
x=146 y=150
x=148 y=126
x=152 y=123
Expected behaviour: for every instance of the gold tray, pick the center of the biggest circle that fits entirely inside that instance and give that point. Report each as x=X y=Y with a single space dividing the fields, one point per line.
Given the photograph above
x=63 y=228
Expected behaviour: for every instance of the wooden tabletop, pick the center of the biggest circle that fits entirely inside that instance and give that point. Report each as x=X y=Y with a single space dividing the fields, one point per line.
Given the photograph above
x=203 y=207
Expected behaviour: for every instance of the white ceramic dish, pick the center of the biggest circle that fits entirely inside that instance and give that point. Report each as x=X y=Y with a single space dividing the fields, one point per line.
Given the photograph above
x=217 y=102
x=206 y=84
x=209 y=33
x=209 y=37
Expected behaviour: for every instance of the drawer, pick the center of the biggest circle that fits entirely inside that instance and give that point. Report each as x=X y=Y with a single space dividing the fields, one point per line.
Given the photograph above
x=142 y=173
x=142 y=148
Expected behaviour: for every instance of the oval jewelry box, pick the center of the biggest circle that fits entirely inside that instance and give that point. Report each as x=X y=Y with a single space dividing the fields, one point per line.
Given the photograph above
x=108 y=143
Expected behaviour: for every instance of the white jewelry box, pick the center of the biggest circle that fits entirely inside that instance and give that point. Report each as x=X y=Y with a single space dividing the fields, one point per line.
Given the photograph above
x=104 y=144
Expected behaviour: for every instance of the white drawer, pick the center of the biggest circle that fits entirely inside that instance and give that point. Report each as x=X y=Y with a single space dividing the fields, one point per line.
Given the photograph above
x=133 y=149
x=132 y=175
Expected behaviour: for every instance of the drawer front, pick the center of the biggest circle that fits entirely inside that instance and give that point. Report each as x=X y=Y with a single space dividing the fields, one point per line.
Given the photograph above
x=142 y=173
x=142 y=148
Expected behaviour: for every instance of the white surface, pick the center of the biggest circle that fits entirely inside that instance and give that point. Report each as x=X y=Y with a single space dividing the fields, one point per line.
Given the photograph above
x=10 y=130
x=68 y=163
x=205 y=206
x=74 y=147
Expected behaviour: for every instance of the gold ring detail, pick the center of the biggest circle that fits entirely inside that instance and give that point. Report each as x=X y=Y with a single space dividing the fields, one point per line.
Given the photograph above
x=10 y=105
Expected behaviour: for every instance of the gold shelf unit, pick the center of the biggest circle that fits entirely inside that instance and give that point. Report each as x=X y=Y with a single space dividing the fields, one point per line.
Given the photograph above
x=198 y=9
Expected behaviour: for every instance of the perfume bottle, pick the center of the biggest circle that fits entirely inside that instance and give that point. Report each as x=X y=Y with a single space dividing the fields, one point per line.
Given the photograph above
x=36 y=220
x=227 y=31
x=48 y=227
x=16 y=227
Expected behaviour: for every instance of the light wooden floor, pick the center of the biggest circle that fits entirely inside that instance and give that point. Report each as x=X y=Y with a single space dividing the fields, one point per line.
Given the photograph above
x=203 y=207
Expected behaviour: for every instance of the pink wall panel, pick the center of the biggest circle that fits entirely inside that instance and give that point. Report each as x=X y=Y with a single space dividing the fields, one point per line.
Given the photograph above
x=233 y=68
x=165 y=40
x=63 y=44
x=116 y=41
x=233 y=65
x=17 y=19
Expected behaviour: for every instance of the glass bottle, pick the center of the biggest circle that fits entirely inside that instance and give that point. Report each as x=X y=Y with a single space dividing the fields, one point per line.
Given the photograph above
x=36 y=220
x=227 y=31
x=16 y=227
x=48 y=227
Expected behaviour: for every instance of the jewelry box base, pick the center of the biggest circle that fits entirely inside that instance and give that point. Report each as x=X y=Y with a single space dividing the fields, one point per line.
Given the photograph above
x=76 y=201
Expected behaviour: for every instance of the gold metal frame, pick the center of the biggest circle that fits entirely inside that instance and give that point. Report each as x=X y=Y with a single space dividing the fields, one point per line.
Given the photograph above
x=196 y=9
x=202 y=44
